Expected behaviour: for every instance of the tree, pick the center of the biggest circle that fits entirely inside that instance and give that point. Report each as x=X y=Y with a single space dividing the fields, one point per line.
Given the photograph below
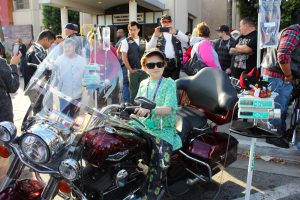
x=51 y=18
x=290 y=11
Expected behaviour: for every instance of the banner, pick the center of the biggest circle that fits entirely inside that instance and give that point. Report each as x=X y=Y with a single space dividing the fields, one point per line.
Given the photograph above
x=269 y=23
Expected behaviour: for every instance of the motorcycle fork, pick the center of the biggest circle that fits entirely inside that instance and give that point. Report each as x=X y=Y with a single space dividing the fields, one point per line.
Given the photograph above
x=51 y=189
x=14 y=172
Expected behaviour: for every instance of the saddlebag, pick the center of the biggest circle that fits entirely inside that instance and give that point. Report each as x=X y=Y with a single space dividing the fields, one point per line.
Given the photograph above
x=214 y=148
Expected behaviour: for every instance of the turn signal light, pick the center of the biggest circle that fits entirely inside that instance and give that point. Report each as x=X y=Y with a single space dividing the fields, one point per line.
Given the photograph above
x=64 y=187
x=4 y=152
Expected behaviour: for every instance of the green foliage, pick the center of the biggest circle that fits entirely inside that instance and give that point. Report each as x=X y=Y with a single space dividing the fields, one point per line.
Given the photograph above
x=248 y=8
x=290 y=11
x=52 y=18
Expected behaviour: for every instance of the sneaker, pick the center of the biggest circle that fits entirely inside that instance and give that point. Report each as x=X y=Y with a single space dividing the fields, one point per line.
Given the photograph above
x=279 y=142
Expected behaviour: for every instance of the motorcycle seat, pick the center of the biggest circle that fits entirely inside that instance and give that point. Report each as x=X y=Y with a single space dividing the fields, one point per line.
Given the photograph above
x=186 y=119
x=209 y=89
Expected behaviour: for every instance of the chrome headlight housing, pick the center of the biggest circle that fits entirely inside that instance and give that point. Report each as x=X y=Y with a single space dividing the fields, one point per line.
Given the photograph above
x=43 y=140
x=8 y=131
x=69 y=169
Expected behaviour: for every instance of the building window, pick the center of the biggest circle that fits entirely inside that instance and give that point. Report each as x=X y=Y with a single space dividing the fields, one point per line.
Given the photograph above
x=22 y=4
x=190 y=25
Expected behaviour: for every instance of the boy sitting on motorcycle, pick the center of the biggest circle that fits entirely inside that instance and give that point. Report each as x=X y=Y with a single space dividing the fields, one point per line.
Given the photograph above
x=159 y=121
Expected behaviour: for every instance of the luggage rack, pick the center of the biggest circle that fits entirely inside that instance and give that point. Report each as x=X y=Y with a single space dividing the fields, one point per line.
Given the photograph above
x=253 y=129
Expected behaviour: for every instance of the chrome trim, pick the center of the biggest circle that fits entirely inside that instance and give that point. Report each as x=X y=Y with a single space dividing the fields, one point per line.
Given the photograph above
x=78 y=191
x=70 y=164
x=54 y=135
x=201 y=177
x=39 y=178
x=26 y=162
x=110 y=130
x=117 y=156
x=200 y=162
x=106 y=108
x=8 y=128
x=13 y=173
x=51 y=190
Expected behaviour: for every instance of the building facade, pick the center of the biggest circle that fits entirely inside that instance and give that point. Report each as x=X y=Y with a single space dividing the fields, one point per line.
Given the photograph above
x=116 y=14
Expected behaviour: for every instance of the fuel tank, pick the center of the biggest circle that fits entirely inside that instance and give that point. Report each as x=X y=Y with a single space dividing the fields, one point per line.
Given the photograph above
x=23 y=190
x=107 y=145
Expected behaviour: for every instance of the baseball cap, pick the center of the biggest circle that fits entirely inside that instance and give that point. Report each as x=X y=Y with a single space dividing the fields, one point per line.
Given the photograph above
x=71 y=27
x=154 y=51
x=168 y=17
x=224 y=28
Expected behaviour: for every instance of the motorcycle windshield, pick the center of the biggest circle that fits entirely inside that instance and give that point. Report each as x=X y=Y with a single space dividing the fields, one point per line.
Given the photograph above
x=77 y=77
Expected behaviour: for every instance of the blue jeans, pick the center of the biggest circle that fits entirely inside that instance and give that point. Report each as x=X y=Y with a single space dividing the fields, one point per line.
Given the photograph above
x=125 y=92
x=284 y=91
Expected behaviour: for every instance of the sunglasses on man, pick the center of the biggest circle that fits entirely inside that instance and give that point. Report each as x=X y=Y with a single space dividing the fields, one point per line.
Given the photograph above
x=152 y=65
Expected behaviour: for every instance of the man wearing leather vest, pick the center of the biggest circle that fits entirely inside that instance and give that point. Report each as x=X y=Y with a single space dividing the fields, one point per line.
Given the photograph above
x=169 y=40
x=280 y=66
x=37 y=53
x=132 y=50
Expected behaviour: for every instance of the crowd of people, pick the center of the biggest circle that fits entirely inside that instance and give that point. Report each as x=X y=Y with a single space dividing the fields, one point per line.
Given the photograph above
x=150 y=68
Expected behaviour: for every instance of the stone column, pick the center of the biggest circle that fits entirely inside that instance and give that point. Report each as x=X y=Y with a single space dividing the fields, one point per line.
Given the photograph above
x=63 y=19
x=132 y=10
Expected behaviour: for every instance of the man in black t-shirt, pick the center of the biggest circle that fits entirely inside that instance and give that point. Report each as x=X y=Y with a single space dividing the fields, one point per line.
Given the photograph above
x=244 y=53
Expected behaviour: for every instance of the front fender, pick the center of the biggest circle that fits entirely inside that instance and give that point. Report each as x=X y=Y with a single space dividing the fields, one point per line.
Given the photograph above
x=26 y=189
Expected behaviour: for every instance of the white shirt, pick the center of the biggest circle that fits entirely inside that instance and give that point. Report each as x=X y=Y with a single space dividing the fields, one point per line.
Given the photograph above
x=70 y=74
x=124 y=47
x=169 y=50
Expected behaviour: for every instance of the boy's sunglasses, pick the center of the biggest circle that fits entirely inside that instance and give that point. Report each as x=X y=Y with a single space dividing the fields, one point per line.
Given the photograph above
x=152 y=65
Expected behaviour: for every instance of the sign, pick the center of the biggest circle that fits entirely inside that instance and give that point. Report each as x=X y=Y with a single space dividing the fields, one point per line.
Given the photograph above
x=124 y=18
x=12 y=33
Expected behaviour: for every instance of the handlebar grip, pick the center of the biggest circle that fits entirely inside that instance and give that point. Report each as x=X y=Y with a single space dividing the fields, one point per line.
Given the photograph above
x=131 y=109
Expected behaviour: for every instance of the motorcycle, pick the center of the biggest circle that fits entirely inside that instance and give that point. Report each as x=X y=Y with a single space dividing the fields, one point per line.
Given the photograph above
x=91 y=145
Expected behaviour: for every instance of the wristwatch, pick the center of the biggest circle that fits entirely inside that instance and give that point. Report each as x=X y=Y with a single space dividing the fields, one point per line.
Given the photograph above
x=176 y=31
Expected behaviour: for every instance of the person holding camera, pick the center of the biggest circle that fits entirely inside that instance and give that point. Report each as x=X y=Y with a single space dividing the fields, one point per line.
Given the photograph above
x=9 y=83
x=169 y=40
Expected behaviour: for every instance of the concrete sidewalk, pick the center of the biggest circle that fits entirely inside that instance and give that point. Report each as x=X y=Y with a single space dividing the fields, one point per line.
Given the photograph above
x=21 y=104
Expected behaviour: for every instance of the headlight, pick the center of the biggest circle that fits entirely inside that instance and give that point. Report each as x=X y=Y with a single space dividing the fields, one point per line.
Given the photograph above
x=35 y=149
x=44 y=140
x=69 y=169
x=8 y=131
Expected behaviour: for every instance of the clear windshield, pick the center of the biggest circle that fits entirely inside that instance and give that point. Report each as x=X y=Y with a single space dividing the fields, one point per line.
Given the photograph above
x=71 y=82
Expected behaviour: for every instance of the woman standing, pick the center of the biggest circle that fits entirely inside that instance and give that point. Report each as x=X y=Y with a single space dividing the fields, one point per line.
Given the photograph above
x=204 y=47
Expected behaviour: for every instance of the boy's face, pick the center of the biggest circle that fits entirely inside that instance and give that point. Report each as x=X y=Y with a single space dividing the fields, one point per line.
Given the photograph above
x=69 y=49
x=46 y=43
x=133 y=31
